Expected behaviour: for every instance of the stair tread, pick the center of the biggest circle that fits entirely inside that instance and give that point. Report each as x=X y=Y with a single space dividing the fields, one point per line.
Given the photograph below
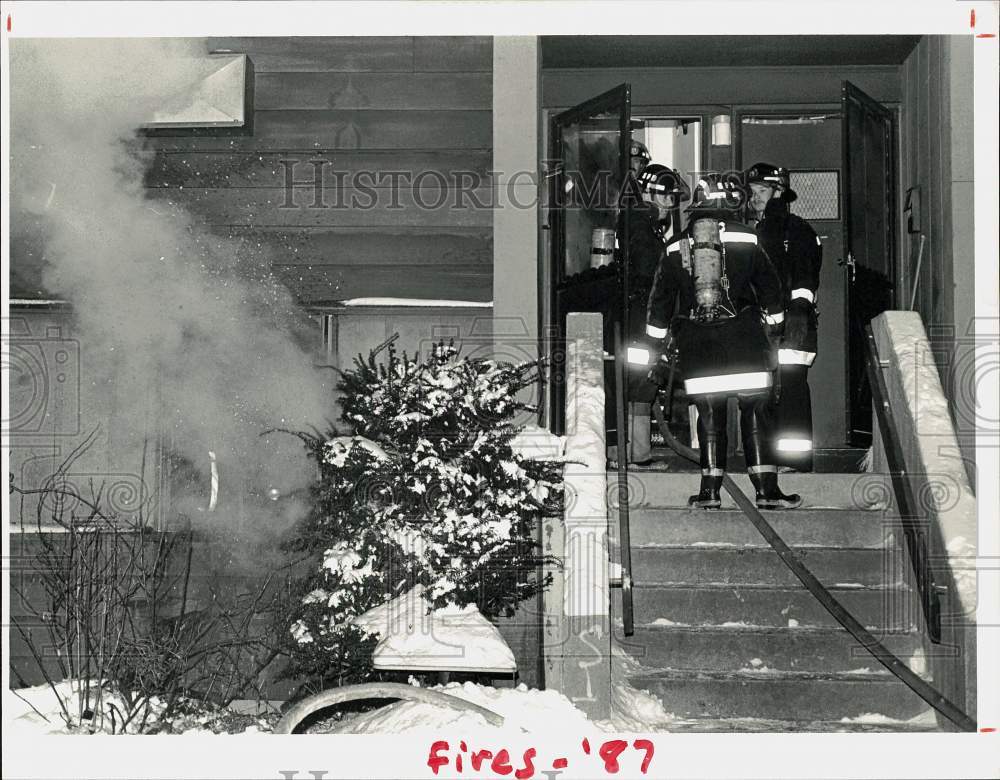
x=831 y=631
x=728 y=547
x=708 y=514
x=840 y=587
x=768 y=675
x=764 y=725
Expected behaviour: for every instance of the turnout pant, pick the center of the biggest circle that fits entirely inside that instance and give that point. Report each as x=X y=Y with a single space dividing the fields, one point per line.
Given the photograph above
x=755 y=425
x=793 y=434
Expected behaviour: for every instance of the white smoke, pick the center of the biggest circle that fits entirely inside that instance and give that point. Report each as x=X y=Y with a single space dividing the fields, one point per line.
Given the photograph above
x=179 y=333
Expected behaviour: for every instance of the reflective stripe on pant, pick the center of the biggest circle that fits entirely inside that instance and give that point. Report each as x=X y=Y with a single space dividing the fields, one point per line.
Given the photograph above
x=793 y=430
x=639 y=446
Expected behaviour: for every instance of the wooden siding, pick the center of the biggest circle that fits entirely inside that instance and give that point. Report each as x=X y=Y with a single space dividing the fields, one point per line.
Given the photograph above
x=366 y=173
x=562 y=88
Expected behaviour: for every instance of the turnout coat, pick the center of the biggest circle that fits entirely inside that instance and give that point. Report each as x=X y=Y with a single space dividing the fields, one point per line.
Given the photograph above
x=716 y=357
x=797 y=255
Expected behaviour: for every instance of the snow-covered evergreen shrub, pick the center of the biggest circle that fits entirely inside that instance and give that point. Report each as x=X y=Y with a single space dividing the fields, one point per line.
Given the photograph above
x=427 y=490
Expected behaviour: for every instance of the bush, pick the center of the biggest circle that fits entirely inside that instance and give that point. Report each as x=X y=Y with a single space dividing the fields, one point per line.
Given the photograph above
x=426 y=490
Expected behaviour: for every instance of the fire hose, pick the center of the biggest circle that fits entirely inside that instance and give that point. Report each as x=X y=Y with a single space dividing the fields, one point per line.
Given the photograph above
x=914 y=682
x=303 y=709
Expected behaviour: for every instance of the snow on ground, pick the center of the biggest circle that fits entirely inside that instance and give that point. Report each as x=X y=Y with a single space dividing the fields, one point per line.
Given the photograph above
x=36 y=711
x=523 y=709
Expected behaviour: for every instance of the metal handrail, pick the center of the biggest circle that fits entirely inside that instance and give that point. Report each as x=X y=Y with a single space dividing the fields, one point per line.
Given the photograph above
x=916 y=540
x=621 y=319
x=624 y=535
x=914 y=682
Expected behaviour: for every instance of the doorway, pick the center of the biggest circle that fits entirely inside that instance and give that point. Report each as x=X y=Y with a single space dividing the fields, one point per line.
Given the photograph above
x=808 y=144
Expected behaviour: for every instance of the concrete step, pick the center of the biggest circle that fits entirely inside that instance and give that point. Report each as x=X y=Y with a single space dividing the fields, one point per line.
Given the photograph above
x=749 y=648
x=842 y=491
x=891 y=609
x=924 y=723
x=783 y=695
x=694 y=565
x=813 y=527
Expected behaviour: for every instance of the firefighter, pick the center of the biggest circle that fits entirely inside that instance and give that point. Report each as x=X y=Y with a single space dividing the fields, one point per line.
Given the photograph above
x=721 y=296
x=638 y=156
x=797 y=254
x=662 y=191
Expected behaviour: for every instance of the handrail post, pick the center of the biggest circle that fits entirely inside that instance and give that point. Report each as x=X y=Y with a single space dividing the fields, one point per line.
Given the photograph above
x=916 y=539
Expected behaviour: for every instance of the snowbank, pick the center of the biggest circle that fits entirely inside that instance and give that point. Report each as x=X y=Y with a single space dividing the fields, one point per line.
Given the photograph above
x=523 y=710
x=931 y=451
x=536 y=443
x=446 y=639
x=37 y=711
x=585 y=479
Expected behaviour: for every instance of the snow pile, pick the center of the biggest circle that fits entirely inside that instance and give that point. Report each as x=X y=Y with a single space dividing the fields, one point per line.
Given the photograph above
x=633 y=709
x=38 y=711
x=537 y=443
x=450 y=638
x=926 y=718
x=586 y=513
x=523 y=709
x=945 y=493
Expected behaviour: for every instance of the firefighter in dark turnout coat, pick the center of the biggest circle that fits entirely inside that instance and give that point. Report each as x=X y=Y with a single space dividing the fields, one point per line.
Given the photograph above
x=797 y=254
x=719 y=293
x=662 y=190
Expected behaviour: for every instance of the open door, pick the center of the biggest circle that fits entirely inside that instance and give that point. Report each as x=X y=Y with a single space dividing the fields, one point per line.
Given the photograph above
x=589 y=148
x=869 y=239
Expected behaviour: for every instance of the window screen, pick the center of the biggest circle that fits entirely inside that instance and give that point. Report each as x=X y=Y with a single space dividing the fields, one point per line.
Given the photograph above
x=819 y=194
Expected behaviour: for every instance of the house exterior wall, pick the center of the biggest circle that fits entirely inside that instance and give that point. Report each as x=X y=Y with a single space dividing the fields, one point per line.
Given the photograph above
x=936 y=166
x=310 y=193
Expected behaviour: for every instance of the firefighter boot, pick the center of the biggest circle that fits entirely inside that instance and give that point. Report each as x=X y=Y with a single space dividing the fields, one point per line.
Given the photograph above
x=712 y=443
x=708 y=496
x=769 y=495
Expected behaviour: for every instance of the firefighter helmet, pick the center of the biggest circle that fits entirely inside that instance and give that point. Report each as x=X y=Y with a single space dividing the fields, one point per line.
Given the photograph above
x=772 y=176
x=638 y=151
x=715 y=193
x=658 y=179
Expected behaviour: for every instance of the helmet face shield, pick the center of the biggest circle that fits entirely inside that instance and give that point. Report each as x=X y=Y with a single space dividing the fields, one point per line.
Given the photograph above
x=662 y=185
x=767 y=174
x=638 y=150
x=712 y=193
x=638 y=156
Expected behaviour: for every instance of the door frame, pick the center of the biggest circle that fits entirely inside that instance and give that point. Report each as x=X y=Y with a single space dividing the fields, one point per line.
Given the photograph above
x=552 y=330
x=893 y=216
x=894 y=222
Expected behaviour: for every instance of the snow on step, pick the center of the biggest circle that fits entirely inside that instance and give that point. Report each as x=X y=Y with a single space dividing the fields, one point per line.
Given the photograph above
x=801 y=527
x=729 y=639
x=660 y=645
x=754 y=565
x=700 y=604
x=714 y=694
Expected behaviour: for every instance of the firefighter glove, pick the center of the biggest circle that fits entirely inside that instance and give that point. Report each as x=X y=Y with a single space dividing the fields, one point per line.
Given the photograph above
x=797 y=318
